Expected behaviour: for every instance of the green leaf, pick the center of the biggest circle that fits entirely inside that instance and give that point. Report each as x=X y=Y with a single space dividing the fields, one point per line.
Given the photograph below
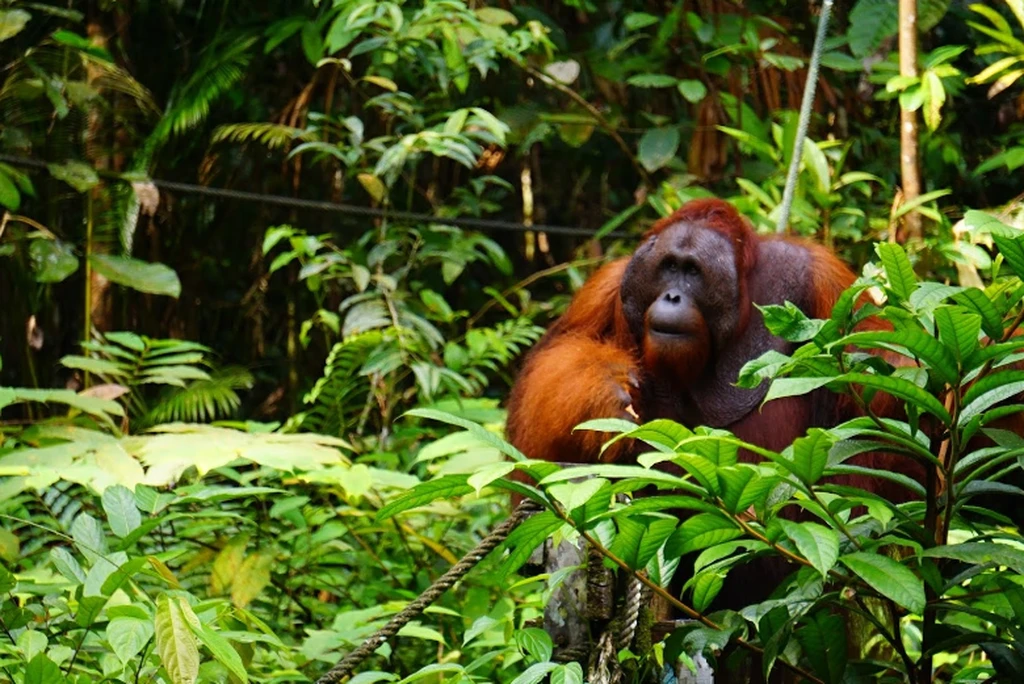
x=652 y=81
x=635 y=21
x=529 y=535
x=218 y=646
x=42 y=670
x=154 y=278
x=536 y=673
x=661 y=434
x=958 y=331
x=312 y=44
x=699 y=532
x=743 y=486
x=9 y=195
x=449 y=486
x=981 y=553
x=122 y=514
x=91 y=405
x=658 y=147
x=93 y=365
x=12 y=22
x=89 y=537
x=175 y=643
x=52 y=260
x=694 y=91
x=809 y=455
x=816 y=543
x=889 y=578
x=794 y=387
x=901 y=389
x=706 y=587
x=989 y=391
x=823 y=638
x=572 y=495
x=871 y=22
x=654 y=537
x=570 y=673
x=898 y=270
x=918 y=343
x=535 y=642
x=789 y=322
x=930 y=13
x=496 y=16
x=977 y=301
x=1012 y=250
x=454 y=58
x=78 y=175
x=127 y=636
x=476 y=429
x=626 y=544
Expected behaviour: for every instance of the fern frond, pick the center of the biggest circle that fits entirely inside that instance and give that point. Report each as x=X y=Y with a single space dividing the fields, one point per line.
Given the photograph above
x=202 y=401
x=337 y=398
x=271 y=135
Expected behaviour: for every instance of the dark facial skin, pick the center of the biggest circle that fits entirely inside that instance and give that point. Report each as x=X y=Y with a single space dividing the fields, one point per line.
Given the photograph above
x=680 y=296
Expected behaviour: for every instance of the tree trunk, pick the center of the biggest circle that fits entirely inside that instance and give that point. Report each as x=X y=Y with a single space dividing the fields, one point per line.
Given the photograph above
x=909 y=166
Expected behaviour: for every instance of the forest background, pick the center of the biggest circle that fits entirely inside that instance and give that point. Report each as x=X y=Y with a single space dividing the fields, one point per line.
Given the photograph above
x=241 y=240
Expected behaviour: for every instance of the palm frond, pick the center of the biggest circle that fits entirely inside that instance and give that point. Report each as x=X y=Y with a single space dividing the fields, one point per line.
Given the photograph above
x=221 y=67
x=271 y=135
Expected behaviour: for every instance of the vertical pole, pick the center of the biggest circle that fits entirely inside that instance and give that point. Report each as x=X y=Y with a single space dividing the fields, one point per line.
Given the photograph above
x=909 y=164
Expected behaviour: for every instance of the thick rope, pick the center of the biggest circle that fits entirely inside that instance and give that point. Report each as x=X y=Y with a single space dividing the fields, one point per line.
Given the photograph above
x=434 y=592
x=805 y=117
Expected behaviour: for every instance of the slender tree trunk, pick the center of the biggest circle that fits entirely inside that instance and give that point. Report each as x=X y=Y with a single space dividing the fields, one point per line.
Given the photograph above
x=909 y=165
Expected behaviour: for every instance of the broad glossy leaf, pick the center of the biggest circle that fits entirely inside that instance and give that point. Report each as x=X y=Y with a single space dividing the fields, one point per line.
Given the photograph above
x=809 y=456
x=902 y=280
x=572 y=495
x=530 y=534
x=958 y=330
x=699 y=532
x=981 y=553
x=153 y=278
x=817 y=543
x=742 y=486
x=901 y=389
x=1012 y=249
x=823 y=638
x=977 y=301
x=919 y=343
x=705 y=587
x=989 y=391
x=890 y=579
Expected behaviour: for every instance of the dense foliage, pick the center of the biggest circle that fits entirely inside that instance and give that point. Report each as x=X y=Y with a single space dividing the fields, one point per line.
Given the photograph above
x=206 y=455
